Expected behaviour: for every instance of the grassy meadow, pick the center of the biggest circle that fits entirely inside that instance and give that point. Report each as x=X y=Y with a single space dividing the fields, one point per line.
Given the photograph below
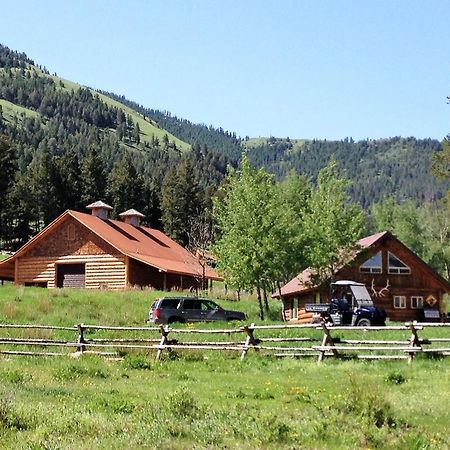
x=206 y=400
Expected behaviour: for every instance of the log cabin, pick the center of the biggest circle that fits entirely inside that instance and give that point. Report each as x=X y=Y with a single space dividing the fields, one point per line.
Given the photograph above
x=397 y=279
x=92 y=251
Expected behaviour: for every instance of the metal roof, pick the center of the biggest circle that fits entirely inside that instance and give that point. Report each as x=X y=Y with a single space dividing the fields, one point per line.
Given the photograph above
x=147 y=245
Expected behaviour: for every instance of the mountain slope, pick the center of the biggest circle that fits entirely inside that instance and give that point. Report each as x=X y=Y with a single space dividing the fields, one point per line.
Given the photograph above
x=397 y=167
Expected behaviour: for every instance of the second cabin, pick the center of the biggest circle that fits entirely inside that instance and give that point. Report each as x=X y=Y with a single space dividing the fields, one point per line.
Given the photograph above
x=397 y=280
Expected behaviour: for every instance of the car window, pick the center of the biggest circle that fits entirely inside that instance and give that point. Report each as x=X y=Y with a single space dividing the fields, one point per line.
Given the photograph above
x=191 y=304
x=208 y=305
x=170 y=303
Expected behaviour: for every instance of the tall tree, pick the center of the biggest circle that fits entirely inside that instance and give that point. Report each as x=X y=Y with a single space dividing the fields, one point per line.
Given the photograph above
x=21 y=212
x=334 y=224
x=124 y=186
x=92 y=177
x=252 y=234
x=181 y=199
x=8 y=168
x=440 y=165
x=69 y=182
x=43 y=177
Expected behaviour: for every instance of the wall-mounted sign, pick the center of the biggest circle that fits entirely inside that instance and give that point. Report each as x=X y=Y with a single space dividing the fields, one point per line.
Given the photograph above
x=431 y=300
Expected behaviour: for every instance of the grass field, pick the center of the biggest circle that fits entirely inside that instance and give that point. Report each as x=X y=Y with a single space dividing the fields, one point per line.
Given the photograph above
x=200 y=400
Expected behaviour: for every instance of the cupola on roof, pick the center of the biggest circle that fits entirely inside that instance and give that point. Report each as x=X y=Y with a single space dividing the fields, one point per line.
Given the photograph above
x=99 y=209
x=132 y=217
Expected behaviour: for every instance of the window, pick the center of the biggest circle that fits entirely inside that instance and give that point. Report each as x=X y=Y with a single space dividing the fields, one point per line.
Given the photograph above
x=170 y=303
x=372 y=265
x=399 y=301
x=294 y=309
x=209 y=306
x=397 y=266
x=416 y=302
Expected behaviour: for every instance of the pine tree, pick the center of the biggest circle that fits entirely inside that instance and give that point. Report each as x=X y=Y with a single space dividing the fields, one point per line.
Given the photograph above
x=8 y=168
x=181 y=200
x=69 y=189
x=137 y=134
x=92 y=177
x=124 y=186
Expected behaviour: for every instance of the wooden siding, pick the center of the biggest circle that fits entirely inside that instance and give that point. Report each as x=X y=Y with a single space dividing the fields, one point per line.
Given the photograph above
x=420 y=282
x=70 y=238
x=102 y=271
x=72 y=243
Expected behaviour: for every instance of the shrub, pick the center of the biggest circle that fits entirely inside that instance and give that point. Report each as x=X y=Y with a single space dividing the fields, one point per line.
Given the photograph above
x=137 y=362
x=181 y=403
x=395 y=378
x=73 y=372
x=9 y=418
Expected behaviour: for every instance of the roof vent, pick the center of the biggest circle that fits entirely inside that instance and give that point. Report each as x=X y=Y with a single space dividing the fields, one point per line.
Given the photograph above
x=132 y=217
x=99 y=209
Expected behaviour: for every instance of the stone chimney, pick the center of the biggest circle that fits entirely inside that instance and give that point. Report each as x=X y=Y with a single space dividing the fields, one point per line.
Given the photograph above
x=132 y=217
x=99 y=209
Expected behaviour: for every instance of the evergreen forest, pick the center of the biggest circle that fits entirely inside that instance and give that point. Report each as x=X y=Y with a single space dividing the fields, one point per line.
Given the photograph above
x=63 y=145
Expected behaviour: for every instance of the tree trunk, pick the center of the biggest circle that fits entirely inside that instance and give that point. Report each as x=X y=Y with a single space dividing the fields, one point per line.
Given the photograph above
x=261 y=309
x=266 y=303
x=283 y=317
x=238 y=292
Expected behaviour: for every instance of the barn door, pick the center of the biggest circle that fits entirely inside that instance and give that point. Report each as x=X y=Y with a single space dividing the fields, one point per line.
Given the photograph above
x=71 y=275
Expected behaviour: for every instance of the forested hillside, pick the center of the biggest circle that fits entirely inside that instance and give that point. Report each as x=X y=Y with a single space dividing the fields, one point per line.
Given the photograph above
x=395 y=167
x=64 y=145
x=217 y=139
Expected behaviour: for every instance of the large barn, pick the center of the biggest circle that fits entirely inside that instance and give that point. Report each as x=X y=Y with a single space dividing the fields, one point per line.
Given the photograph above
x=91 y=251
x=397 y=279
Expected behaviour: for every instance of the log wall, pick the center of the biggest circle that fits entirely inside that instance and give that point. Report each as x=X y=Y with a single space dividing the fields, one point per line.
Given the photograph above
x=69 y=243
x=102 y=271
x=420 y=282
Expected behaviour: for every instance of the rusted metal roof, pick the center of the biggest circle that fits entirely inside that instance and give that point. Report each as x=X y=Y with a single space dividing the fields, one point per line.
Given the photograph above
x=148 y=245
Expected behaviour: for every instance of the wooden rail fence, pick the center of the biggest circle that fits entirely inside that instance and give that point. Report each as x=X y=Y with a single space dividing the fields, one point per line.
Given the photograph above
x=313 y=340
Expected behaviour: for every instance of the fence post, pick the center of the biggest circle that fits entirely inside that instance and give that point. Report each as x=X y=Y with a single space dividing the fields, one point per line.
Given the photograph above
x=327 y=340
x=80 y=340
x=249 y=341
x=165 y=330
x=413 y=341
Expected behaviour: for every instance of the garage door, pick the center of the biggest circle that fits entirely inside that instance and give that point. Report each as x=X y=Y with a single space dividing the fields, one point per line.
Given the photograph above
x=71 y=275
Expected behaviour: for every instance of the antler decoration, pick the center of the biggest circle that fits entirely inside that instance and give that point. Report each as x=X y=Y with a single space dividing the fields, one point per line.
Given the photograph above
x=374 y=291
x=383 y=292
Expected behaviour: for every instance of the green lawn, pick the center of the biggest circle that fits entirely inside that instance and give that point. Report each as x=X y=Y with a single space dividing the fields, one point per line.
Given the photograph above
x=206 y=400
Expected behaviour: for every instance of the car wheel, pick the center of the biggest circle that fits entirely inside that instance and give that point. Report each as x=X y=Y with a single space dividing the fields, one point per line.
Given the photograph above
x=175 y=320
x=364 y=322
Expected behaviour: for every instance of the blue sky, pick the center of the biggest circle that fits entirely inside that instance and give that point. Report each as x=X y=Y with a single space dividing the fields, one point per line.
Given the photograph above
x=303 y=69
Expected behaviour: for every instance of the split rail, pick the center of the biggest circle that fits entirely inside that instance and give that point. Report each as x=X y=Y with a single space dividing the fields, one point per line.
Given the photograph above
x=284 y=340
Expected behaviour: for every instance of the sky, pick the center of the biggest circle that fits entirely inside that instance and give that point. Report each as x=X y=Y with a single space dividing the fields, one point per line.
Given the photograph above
x=304 y=69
